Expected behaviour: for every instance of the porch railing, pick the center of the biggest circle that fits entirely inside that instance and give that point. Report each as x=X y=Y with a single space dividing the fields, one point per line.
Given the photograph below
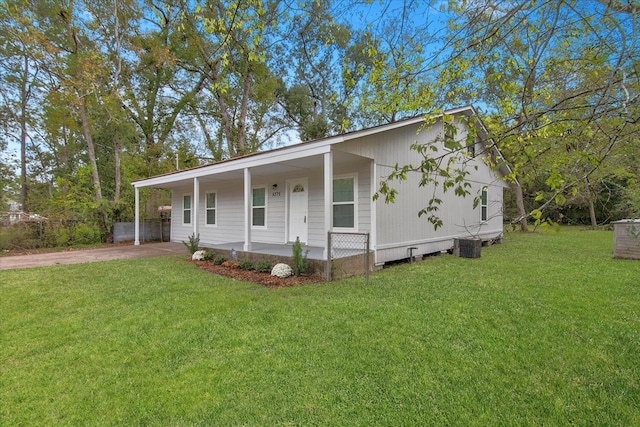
x=349 y=255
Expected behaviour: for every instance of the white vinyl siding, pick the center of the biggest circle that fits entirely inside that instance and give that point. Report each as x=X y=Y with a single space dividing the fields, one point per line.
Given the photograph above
x=315 y=218
x=398 y=226
x=229 y=214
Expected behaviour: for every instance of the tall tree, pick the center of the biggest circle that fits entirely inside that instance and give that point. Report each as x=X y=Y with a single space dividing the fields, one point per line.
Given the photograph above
x=550 y=72
x=403 y=47
x=18 y=78
x=227 y=44
x=316 y=99
x=155 y=89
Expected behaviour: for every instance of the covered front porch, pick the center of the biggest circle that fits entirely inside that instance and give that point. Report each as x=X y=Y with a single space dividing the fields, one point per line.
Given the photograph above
x=217 y=202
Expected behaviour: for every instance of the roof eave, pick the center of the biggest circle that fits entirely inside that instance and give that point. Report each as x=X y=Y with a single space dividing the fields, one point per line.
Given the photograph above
x=301 y=150
x=297 y=151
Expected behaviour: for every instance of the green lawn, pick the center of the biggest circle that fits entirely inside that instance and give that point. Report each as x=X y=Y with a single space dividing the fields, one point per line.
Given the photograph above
x=542 y=330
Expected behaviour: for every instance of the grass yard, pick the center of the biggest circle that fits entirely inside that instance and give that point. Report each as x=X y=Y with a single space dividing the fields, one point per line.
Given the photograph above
x=542 y=330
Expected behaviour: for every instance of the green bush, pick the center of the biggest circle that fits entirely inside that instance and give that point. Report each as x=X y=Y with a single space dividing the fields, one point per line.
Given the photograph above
x=86 y=234
x=209 y=255
x=219 y=259
x=194 y=242
x=245 y=264
x=19 y=237
x=300 y=262
x=49 y=236
x=62 y=237
x=6 y=238
x=263 y=267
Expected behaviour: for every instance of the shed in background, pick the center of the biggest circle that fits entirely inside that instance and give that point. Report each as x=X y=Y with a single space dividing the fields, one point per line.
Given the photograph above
x=626 y=239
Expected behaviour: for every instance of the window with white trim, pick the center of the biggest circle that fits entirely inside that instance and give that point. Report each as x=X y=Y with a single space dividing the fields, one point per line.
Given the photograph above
x=210 y=208
x=186 y=209
x=259 y=207
x=483 y=204
x=344 y=202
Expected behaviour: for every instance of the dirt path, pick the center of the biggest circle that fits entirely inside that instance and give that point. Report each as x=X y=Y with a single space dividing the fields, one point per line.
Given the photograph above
x=92 y=255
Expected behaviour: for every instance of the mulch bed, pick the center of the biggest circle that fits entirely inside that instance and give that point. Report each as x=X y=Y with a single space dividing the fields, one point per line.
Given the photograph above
x=265 y=279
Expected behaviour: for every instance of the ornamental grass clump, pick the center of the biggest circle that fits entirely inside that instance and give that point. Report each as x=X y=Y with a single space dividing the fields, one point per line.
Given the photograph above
x=281 y=270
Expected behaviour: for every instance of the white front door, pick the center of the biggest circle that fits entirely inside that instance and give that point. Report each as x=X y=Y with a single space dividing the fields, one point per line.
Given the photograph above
x=298 y=209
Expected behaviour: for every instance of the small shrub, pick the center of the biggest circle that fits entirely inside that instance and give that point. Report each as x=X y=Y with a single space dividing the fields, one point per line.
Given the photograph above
x=192 y=245
x=6 y=238
x=62 y=236
x=263 y=266
x=246 y=264
x=300 y=262
x=16 y=237
x=49 y=237
x=219 y=259
x=24 y=241
x=86 y=234
x=208 y=255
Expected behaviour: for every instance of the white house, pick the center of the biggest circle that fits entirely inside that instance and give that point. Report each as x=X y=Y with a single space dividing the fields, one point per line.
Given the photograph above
x=268 y=199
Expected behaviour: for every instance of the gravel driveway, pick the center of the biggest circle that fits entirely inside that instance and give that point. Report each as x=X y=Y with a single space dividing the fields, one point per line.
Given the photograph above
x=79 y=256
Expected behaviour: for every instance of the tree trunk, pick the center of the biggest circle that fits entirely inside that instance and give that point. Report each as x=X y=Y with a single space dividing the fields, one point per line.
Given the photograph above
x=592 y=207
x=23 y=138
x=116 y=80
x=117 y=172
x=226 y=125
x=97 y=188
x=242 y=131
x=91 y=150
x=23 y=161
x=522 y=213
x=592 y=213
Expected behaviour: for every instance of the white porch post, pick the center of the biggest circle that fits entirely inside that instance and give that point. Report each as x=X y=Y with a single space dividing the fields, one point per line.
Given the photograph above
x=374 y=224
x=247 y=210
x=196 y=203
x=328 y=199
x=136 y=232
